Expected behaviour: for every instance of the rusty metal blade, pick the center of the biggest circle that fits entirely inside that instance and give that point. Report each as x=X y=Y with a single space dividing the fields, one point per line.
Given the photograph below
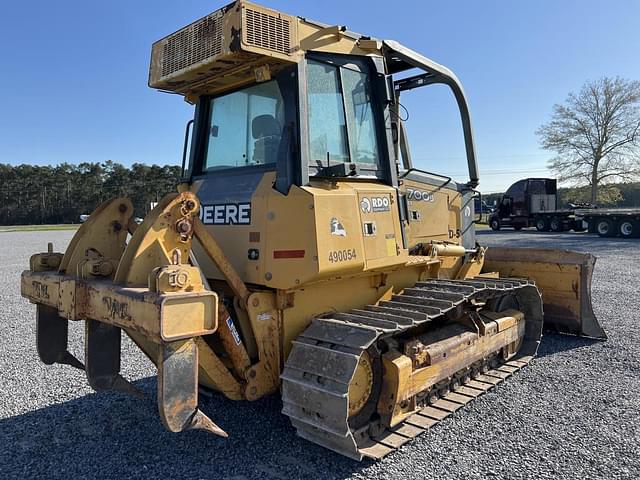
x=52 y=334
x=102 y=357
x=178 y=389
x=564 y=280
x=200 y=421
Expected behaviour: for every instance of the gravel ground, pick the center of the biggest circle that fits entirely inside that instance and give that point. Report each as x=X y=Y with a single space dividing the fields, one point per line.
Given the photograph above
x=573 y=413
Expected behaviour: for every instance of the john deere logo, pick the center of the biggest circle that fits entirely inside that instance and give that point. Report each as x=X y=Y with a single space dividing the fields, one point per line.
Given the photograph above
x=226 y=214
x=337 y=228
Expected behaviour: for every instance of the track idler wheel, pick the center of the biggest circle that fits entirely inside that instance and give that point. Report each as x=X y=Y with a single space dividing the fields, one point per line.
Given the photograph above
x=361 y=385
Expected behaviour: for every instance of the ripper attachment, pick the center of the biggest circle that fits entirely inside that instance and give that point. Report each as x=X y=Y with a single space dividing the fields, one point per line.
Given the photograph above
x=143 y=287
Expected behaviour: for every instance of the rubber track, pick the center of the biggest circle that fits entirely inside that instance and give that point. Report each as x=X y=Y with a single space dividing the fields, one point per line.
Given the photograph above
x=324 y=358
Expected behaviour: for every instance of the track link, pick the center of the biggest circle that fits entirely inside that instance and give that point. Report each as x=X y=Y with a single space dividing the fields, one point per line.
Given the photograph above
x=324 y=358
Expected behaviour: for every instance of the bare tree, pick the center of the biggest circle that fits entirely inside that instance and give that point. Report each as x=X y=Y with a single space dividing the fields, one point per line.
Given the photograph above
x=596 y=134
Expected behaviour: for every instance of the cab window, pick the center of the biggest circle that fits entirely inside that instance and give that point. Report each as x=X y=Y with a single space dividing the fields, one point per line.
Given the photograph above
x=245 y=127
x=341 y=119
x=327 y=123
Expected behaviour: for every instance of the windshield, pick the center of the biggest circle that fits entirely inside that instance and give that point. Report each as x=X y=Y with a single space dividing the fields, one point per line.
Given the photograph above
x=245 y=127
x=341 y=123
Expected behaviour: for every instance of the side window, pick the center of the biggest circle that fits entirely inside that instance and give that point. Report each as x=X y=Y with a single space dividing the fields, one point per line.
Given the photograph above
x=227 y=132
x=362 y=134
x=327 y=124
x=245 y=127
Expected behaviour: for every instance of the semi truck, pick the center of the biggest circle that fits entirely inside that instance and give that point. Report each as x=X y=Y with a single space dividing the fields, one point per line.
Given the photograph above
x=533 y=202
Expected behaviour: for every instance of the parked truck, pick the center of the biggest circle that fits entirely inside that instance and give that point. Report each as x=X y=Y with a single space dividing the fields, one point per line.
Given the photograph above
x=533 y=202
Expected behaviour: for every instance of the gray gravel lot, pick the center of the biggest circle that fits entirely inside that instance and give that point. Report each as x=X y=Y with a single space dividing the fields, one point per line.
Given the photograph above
x=573 y=413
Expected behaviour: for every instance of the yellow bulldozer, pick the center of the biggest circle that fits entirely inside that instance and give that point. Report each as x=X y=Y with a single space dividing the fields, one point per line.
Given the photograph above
x=303 y=253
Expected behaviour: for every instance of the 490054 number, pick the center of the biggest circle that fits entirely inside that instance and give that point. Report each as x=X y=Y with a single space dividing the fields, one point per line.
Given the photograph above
x=342 y=255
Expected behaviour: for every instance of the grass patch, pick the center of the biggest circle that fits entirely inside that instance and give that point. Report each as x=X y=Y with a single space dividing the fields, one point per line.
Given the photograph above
x=37 y=228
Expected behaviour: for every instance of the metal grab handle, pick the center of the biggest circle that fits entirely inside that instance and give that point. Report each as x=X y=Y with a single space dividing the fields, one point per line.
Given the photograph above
x=187 y=135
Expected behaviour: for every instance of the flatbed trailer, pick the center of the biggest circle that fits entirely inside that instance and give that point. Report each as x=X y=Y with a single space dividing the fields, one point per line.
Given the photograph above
x=611 y=222
x=531 y=202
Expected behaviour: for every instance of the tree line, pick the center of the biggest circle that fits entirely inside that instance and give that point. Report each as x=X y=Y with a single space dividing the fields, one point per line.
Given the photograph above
x=33 y=194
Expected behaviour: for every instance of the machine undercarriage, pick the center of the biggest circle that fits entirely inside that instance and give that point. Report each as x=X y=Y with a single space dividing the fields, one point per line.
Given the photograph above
x=365 y=382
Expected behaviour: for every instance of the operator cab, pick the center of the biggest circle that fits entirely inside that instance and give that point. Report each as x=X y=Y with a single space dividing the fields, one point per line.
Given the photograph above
x=334 y=131
x=304 y=103
x=284 y=94
x=331 y=115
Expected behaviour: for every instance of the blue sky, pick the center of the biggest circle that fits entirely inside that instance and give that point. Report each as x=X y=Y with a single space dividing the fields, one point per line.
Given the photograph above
x=73 y=81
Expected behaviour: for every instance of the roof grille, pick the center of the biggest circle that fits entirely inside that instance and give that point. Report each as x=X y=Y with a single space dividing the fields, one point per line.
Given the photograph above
x=268 y=31
x=197 y=42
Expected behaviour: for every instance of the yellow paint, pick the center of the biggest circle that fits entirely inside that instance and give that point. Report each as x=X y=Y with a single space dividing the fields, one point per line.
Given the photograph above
x=393 y=405
x=264 y=376
x=432 y=217
x=243 y=58
x=402 y=382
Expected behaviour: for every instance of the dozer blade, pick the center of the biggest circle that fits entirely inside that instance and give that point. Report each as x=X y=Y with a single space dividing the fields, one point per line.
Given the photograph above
x=564 y=279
